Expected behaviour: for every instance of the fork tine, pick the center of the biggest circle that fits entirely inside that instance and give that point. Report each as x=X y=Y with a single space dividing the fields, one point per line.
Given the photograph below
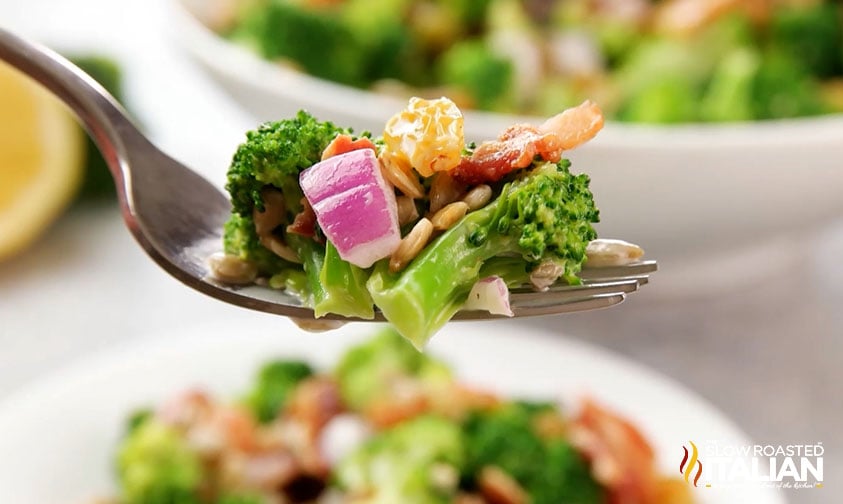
x=635 y=270
x=568 y=293
x=601 y=288
x=586 y=303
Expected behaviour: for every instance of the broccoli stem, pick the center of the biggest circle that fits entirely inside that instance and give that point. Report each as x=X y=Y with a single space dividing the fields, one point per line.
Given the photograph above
x=344 y=287
x=312 y=256
x=333 y=285
x=421 y=299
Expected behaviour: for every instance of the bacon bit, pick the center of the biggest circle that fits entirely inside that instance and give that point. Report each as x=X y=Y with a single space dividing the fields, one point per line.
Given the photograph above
x=304 y=223
x=573 y=127
x=237 y=427
x=186 y=409
x=456 y=401
x=519 y=144
x=673 y=491
x=315 y=402
x=621 y=459
x=686 y=17
x=346 y=143
x=401 y=401
x=268 y=471
x=467 y=498
x=550 y=425
x=388 y=412
x=498 y=487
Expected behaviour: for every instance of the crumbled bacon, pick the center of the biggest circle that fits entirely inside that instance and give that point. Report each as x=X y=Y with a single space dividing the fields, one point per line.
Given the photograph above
x=620 y=457
x=346 y=143
x=304 y=223
x=186 y=409
x=498 y=487
x=520 y=144
x=314 y=402
x=397 y=404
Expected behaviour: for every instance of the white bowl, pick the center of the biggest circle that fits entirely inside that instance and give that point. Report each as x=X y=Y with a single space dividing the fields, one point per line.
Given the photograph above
x=685 y=193
x=42 y=462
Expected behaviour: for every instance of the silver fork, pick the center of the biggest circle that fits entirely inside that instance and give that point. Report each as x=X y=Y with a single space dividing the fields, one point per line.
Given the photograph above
x=177 y=216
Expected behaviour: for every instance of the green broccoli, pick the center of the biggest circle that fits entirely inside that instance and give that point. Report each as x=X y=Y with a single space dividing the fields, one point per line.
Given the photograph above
x=660 y=82
x=472 y=67
x=811 y=35
x=546 y=213
x=406 y=464
x=239 y=239
x=551 y=471
x=348 y=285
x=364 y=369
x=471 y=13
x=138 y=418
x=240 y=499
x=503 y=438
x=315 y=39
x=273 y=385
x=274 y=155
x=782 y=88
x=155 y=466
x=728 y=96
x=378 y=30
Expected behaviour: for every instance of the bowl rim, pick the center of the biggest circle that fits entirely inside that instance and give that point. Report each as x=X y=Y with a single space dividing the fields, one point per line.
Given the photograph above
x=242 y=64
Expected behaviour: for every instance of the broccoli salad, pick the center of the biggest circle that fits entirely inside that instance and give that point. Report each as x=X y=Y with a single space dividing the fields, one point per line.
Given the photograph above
x=386 y=425
x=653 y=61
x=414 y=223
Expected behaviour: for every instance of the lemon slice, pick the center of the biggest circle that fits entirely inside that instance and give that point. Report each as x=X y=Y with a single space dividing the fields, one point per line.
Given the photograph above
x=41 y=160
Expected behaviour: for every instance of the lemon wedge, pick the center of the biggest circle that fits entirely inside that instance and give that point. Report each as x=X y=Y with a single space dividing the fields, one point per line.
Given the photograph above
x=41 y=160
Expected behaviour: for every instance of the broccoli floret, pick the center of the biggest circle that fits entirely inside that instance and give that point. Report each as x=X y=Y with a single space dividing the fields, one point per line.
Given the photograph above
x=545 y=214
x=551 y=471
x=783 y=89
x=138 y=418
x=365 y=368
x=503 y=438
x=156 y=466
x=315 y=39
x=401 y=464
x=729 y=94
x=239 y=239
x=670 y=100
x=811 y=35
x=660 y=83
x=274 y=155
x=273 y=385
x=471 y=13
x=565 y=477
x=472 y=67
x=378 y=28
x=240 y=499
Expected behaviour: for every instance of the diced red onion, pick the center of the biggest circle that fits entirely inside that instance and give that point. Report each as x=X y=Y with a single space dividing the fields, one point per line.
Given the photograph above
x=354 y=205
x=489 y=294
x=343 y=434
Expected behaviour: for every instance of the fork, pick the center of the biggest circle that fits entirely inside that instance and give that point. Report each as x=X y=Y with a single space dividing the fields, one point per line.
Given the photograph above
x=177 y=216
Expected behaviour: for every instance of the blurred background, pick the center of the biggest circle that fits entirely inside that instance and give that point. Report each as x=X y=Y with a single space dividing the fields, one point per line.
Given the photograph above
x=745 y=216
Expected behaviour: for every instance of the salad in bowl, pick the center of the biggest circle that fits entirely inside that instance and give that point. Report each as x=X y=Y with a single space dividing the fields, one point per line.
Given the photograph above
x=671 y=61
x=385 y=425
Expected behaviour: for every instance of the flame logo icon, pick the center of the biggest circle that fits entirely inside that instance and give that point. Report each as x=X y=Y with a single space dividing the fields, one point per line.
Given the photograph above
x=689 y=461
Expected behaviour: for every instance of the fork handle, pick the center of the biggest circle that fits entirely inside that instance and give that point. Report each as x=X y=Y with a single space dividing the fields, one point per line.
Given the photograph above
x=104 y=119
